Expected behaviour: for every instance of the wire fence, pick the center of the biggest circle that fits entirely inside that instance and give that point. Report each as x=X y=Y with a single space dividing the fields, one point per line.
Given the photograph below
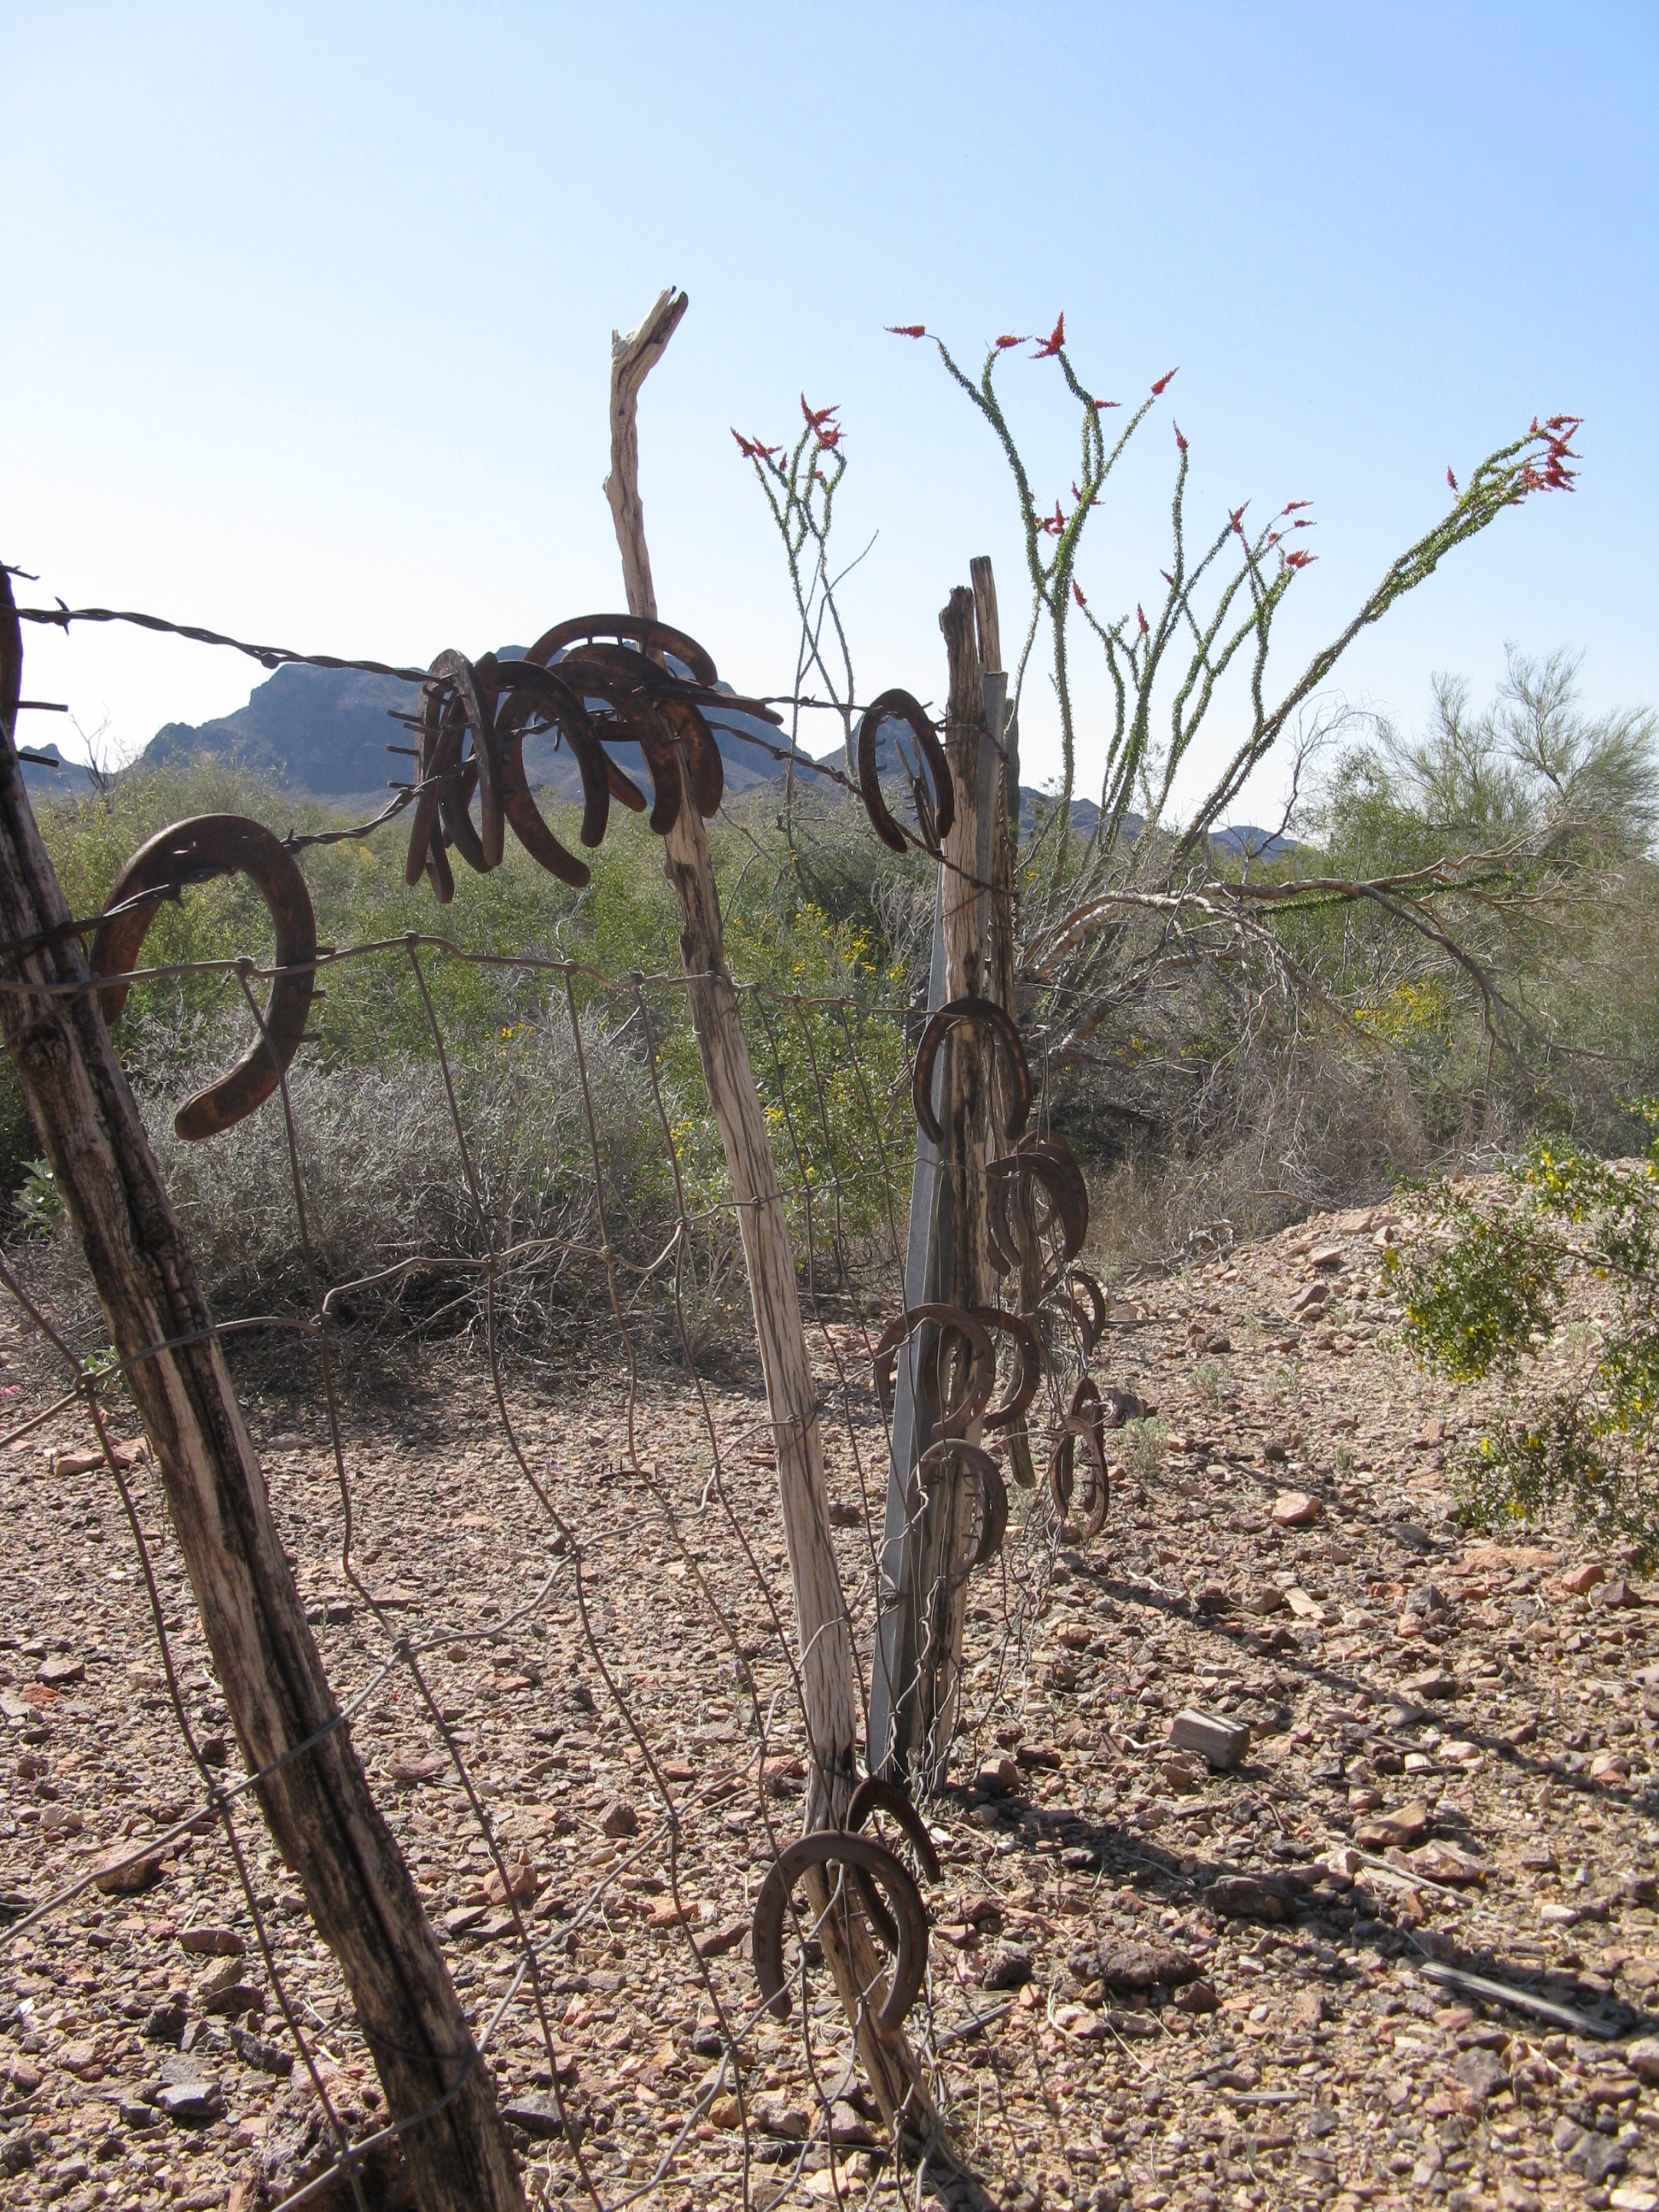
x=556 y=1620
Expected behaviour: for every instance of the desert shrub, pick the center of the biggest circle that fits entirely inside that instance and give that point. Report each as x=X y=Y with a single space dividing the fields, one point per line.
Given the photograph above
x=1487 y=1294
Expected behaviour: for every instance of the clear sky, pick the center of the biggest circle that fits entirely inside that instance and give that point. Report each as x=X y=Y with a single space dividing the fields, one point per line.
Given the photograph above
x=306 y=313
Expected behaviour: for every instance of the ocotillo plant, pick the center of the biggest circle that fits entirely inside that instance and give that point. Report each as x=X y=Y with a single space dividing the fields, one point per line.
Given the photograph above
x=1195 y=634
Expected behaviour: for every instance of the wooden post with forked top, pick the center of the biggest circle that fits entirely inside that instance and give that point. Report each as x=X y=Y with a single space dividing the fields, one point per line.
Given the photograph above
x=315 y=1795
x=823 y=1626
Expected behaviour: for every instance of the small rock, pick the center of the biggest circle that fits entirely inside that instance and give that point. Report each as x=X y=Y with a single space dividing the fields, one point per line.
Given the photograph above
x=1222 y=1743
x=1583 y=1579
x=192 y=2103
x=266 y=2058
x=1124 y=1965
x=122 y=1876
x=538 y=2114
x=1195 y=1996
x=234 y=1999
x=725 y=2112
x=1182 y=1771
x=1408 y=1825
x=997 y=1777
x=1243 y=1896
x=167 y=2023
x=1264 y=1597
x=1443 y=1863
x=1615 y=1592
x=212 y=1943
x=1643 y=2058
x=1596 y=2157
x=619 y=1819
x=1481 y=2073
x=1295 y=1509
x=1212 y=1600
x=1434 y=1683
x=719 y=1940
x=1010 y=1966
x=1639 y=1888
x=58 y=1673
x=1634 y=2197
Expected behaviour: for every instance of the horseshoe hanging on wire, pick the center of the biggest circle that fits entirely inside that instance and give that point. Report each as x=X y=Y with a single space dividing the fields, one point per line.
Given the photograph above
x=941 y=806
x=997 y=1018
x=1048 y=1164
x=453 y=705
x=1028 y=1374
x=982 y=1378
x=873 y=1794
x=1091 y=1323
x=1084 y=1426
x=649 y=635
x=993 y=1491
x=530 y=691
x=196 y=852
x=908 y=1916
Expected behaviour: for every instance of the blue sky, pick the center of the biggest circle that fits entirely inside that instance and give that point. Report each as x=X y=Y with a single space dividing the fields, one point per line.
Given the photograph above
x=306 y=317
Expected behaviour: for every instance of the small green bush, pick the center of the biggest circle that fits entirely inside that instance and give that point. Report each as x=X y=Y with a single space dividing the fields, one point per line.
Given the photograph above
x=1487 y=1296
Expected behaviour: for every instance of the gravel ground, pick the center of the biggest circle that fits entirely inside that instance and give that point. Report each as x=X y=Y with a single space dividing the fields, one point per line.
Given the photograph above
x=1154 y=1981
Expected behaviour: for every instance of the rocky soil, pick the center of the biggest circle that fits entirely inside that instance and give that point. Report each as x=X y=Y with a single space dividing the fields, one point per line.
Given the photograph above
x=1403 y=1951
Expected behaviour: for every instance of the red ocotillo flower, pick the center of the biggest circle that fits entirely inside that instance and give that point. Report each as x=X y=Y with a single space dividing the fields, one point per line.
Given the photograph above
x=1052 y=344
x=1236 y=518
x=1165 y=380
x=752 y=448
x=1180 y=440
x=816 y=417
x=1077 y=593
x=1299 y=559
x=1054 y=523
x=1295 y=506
x=1141 y=617
x=1109 y=402
x=1005 y=342
x=908 y=330
x=1451 y=480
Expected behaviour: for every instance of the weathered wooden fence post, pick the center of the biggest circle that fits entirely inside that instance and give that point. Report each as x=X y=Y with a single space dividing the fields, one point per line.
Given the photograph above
x=316 y=1801
x=924 y=1596
x=822 y=1627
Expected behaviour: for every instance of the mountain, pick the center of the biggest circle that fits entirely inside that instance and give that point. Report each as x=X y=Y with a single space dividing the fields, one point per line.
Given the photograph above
x=1239 y=842
x=329 y=733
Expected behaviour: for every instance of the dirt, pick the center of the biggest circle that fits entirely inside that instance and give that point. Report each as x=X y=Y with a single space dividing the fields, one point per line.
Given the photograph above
x=1153 y=1981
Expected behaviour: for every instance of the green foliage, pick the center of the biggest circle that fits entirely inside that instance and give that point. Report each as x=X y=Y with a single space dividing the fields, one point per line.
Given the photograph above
x=1487 y=1299
x=821 y=995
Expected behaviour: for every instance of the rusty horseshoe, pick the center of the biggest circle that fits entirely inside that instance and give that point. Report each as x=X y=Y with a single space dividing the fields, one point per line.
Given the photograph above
x=1028 y=1374
x=908 y=1917
x=453 y=704
x=873 y=1794
x=982 y=1378
x=195 y=852
x=1084 y=1424
x=1091 y=1323
x=993 y=1491
x=1045 y=1162
x=939 y=1025
x=900 y=707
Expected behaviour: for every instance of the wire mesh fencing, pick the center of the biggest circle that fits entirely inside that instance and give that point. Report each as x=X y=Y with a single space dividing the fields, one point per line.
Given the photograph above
x=550 y=1593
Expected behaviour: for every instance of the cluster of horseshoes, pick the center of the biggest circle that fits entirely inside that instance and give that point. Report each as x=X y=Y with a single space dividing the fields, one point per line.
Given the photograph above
x=606 y=680
x=593 y=682
x=1038 y=1210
